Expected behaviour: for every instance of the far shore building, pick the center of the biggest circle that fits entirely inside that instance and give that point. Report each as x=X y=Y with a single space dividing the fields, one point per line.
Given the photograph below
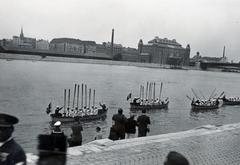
x=199 y=58
x=24 y=42
x=74 y=46
x=163 y=51
x=42 y=44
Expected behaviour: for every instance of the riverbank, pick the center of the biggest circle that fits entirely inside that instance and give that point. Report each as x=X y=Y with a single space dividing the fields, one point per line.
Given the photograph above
x=10 y=57
x=209 y=144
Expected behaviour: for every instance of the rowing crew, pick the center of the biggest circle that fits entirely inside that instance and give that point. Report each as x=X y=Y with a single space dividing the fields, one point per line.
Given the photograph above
x=79 y=112
x=156 y=101
x=205 y=102
x=231 y=98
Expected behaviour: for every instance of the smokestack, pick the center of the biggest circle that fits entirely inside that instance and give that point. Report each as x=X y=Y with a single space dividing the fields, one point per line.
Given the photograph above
x=223 y=51
x=112 y=42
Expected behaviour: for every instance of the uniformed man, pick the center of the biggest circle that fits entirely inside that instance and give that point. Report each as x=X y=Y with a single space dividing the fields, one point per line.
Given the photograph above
x=11 y=153
x=142 y=122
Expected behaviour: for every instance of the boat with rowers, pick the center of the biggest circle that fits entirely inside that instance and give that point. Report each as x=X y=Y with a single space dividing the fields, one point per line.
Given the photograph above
x=231 y=100
x=149 y=101
x=205 y=104
x=78 y=114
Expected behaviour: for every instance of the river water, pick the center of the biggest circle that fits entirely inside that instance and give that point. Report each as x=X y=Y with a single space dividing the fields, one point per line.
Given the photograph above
x=27 y=87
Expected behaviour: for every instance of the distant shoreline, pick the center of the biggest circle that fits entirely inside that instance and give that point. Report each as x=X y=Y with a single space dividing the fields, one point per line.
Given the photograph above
x=10 y=57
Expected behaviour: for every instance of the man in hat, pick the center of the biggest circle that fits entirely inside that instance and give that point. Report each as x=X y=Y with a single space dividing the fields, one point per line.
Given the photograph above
x=10 y=151
x=143 y=121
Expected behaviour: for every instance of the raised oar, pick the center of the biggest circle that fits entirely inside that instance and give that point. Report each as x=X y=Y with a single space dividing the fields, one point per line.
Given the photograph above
x=89 y=100
x=64 y=101
x=160 y=91
x=85 y=95
x=189 y=97
x=147 y=91
x=77 y=96
x=202 y=95
x=74 y=95
x=69 y=92
x=94 y=97
x=82 y=97
x=212 y=94
x=195 y=94
x=221 y=94
x=154 y=91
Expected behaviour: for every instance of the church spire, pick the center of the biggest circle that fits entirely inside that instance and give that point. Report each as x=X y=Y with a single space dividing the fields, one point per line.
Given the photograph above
x=21 y=34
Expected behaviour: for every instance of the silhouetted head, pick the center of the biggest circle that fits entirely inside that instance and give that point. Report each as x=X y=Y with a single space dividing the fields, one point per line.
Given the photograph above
x=98 y=129
x=120 y=111
x=175 y=158
x=6 y=126
x=144 y=111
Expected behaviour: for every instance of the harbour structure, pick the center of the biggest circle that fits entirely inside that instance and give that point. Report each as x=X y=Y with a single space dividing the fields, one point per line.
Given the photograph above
x=163 y=51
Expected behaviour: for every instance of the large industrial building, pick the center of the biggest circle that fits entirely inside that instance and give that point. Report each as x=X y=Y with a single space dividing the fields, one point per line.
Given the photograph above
x=163 y=51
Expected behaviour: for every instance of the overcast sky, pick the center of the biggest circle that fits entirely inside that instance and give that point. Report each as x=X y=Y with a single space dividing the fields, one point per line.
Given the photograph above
x=207 y=25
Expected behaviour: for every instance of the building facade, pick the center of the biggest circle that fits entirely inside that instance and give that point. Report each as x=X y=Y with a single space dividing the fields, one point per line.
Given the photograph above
x=164 y=51
x=74 y=46
x=42 y=44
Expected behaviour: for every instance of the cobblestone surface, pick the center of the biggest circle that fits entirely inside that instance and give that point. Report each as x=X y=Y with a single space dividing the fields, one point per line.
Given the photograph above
x=204 y=146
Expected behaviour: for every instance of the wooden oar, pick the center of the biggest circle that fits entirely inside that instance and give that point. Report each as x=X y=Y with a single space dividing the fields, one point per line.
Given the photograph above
x=221 y=94
x=77 y=96
x=74 y=95
x=160 y=91
x=189 y=98
x=93 y=97
x=154 y=91
x=85 y=95
x=195 y=94
x=89 y=99
x=147 y=91
x=82 y=97
x=69 y=92
x=212 y=94
x=64 y=101
x=202 y=95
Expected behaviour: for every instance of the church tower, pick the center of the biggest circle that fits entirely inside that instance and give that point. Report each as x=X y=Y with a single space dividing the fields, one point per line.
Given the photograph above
x=21 y=34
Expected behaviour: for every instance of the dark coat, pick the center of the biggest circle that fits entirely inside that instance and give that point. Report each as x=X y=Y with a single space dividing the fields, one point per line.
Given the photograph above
x=143 y=122
x=120 y=121
x=11 y=153
x=119 y=125
x=76 y=136
x=130 y=126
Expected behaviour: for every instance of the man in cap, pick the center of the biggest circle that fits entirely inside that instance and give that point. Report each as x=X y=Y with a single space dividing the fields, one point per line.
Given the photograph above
x=10 y=151
x=56 y=129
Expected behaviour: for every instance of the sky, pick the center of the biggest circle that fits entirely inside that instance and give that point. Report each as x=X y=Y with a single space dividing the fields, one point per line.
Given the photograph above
x=207 y=25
